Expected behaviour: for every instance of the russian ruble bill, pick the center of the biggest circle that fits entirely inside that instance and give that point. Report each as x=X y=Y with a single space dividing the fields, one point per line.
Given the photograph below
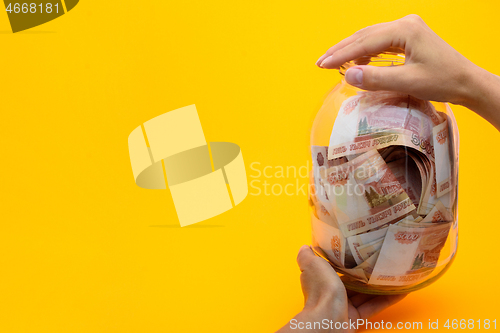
x=409 y=254
x=357 y=241
x=330 y=240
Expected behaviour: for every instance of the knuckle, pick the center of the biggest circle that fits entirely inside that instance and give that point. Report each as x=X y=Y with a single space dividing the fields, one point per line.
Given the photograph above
x=359 y=43
x=412 y=25
x=362 y=31
x=361 y=39
x=414 y=18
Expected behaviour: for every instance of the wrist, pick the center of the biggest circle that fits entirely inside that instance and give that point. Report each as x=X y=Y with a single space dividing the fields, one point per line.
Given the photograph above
x=326 y=301
x=329 y=307
x=477 y=89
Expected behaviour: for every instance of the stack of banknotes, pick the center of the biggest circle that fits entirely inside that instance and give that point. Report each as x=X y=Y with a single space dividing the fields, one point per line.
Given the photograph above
x=384 y=194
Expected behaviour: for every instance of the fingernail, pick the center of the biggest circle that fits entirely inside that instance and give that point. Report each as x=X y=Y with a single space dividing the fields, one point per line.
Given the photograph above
x=325 y=61
x=354 y=76
x=318 y=61
x=303 y=247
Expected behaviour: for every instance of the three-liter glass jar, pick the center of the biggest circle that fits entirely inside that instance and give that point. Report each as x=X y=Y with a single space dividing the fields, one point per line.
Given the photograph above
x=384 y=185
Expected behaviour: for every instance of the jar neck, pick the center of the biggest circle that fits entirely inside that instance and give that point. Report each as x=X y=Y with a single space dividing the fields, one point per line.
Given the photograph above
x=384 y=59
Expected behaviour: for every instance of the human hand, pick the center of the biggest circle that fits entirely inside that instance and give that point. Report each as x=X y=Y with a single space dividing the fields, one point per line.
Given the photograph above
x=325 y=296
x=433 y=70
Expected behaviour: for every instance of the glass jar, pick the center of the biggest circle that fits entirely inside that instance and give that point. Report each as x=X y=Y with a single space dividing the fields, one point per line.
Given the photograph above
x=384 y=185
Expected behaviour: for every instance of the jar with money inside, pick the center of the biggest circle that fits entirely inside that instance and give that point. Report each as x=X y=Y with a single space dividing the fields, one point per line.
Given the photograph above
x=384 y=185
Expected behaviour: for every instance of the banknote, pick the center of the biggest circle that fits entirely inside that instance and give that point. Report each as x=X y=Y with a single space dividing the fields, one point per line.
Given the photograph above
x=330 y=240
x=319 y=159
x=379 y=140
x=321 y=211
x=355 y=273
x=383 y=111
x=367 y=250
x=378 y=228
x=429 y=197
x=349 y=261
x=438 y=214
x=354 y=242
x=365 y=194
x=409 y=255
x=368 y=265
x=384 y=99
x=409 y=221
x=407 y=173
x=443 y=162
x=321 y=162
x=378 y=120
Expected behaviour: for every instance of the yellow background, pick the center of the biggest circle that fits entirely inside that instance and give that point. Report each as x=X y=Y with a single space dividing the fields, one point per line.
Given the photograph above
x=83 y=249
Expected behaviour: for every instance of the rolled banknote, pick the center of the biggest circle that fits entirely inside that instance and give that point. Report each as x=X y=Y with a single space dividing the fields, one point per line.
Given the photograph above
x=407 y=174
x=367 y=250
x=357 y=241
x=442 y=155
x=368 y=265
x=365 y=194
x=438 y=214
x=429 y=198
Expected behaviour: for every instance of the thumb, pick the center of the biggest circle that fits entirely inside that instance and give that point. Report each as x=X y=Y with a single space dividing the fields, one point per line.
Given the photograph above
x=394 y=78
x=314 y=267
x=318 y=278
x=306 y=258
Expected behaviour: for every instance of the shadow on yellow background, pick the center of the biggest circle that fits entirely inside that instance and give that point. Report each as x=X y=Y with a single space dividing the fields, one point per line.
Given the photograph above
x=84 y=250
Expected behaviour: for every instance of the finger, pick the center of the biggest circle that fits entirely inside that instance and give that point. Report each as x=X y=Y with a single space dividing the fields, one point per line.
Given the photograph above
x=378 y=304
x=378 y=40
x=343 y=43
x=346 y=41
x=395 y=78
x=359 y=299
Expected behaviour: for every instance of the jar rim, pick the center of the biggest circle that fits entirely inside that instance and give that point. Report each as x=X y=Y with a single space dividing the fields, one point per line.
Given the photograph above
x=383 y=59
